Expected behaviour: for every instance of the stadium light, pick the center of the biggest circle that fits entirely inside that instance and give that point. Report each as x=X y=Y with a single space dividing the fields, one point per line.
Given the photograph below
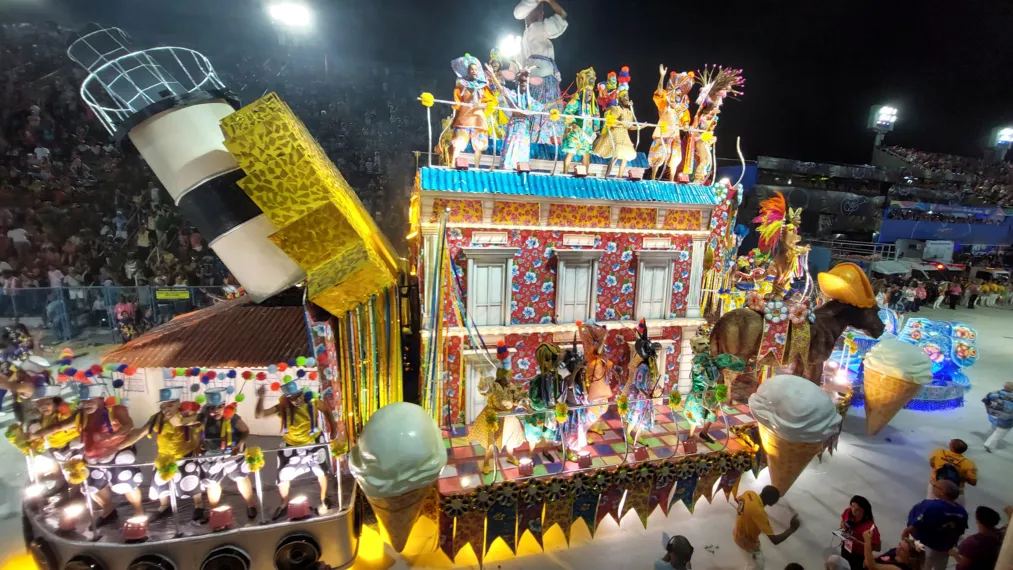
x=290 y=14
x=510 y=46
x=999 y=142
x=881 y=121
x=1004 y=136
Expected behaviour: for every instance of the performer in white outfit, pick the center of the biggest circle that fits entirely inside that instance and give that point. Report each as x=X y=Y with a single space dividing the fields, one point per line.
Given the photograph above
x=537 y=53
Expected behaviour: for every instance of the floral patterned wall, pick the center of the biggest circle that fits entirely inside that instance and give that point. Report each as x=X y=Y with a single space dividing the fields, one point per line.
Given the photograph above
x=524 y=366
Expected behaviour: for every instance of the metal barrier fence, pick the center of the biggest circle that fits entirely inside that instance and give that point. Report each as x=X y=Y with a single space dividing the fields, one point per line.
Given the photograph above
x=100 y=315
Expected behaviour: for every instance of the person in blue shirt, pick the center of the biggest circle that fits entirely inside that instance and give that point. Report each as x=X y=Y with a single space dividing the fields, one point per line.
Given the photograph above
x=937 y=524
x=999 y=406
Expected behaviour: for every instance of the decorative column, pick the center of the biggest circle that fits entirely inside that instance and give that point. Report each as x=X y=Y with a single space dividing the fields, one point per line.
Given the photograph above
x=686 y=360
x=695 y=277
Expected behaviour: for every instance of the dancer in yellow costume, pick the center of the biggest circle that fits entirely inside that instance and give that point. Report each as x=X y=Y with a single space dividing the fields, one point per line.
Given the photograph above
x=672 y=100
x=507 y=433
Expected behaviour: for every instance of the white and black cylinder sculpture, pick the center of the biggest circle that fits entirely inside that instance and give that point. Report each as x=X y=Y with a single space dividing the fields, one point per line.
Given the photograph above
x=169 y=101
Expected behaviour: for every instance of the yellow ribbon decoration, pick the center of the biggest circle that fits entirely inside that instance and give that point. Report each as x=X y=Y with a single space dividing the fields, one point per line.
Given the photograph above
x=427 y=99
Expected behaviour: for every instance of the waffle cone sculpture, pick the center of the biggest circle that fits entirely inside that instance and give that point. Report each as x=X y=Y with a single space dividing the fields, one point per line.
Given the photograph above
x=786 y=459
x=399 y=513
x=894 y=374
x=795 y=418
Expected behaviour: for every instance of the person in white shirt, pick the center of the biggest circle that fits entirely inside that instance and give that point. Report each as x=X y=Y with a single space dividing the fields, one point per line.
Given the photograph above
x=55 y=277
x=154 y=191
x=41 y=153
x=537 y=53
x=20 y=238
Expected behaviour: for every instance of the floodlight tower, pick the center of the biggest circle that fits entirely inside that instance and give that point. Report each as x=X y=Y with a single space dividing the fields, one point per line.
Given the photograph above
x=168 y=101
x=999 y=142
x=881 y=121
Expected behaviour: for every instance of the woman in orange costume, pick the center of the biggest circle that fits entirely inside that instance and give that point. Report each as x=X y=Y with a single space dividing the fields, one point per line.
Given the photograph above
x=672 y=100
x=470 y=123
x=599 y=370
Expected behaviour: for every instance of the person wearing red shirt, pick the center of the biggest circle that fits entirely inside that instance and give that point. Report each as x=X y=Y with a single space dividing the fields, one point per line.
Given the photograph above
x=856 y=520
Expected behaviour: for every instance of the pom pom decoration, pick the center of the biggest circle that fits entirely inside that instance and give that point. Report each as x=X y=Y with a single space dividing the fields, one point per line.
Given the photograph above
x=221 y=376
x=282 y=366
x=181 y=372
x=63 y=409
x=286 y=379
x=88 y=373
x=308 y=396
x=427 y=99
x=275 y=386
x=240 y=397
x=190 y=407
x=254 y=458
x=313 y=375
x=271 y=368
x=165 y=467
x=674 y=399
x=311 y=361
x=562 y=411
x=79 y=375
x=118 y=383
x=111 y=401
x=231 y=374
x=96 y=369
x=205 y=379
x=195 y=387
x=261 y=376
x=72 y=372
x=166 y=374
x=16 y=435
x=291 y=362
x=300 y=361
x=128 y=370
x=554 y=115
x=623 y=404
x=247 y=374
x=300 y=373
x=229 y=411
x=76 y=471
x=339 y=447
x=200 y=399
x=230 y=389
x=721 y=393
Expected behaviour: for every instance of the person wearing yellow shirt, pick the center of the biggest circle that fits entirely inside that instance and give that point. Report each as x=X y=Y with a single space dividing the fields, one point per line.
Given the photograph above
x=60 y=446
x=304 y=418
x=177 y=435
x=951 y=465
x=752 y=521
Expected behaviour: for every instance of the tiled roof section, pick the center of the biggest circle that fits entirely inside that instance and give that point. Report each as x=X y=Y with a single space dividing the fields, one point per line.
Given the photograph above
x=541 y=151
x=512 y=183
x=236 y=333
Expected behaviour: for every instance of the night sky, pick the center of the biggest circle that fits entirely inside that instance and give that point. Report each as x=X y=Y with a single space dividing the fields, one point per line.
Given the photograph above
x=812 y=69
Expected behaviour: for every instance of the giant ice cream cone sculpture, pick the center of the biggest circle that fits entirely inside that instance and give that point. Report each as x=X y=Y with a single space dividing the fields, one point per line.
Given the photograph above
x=396 y=461
x=795 y=418
x=895 y=372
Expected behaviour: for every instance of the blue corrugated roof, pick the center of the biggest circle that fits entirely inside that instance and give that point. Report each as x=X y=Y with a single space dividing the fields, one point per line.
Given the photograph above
x=512 y=183
x=548 y=152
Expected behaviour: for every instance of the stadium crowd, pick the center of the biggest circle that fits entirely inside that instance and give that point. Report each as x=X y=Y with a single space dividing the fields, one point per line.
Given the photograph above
x=991 y=183
x=929 y=216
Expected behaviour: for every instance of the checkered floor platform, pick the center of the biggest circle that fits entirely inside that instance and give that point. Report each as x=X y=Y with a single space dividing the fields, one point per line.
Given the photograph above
x=464 y=459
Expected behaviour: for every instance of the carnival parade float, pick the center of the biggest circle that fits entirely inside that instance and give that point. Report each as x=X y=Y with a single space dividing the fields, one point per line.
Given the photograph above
x=566 y=342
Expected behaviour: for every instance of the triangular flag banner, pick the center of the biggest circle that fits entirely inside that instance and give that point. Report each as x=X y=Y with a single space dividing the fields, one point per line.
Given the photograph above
x=446 y=527
x=729 y=483
x=638 y=495
x=585 y=505
x=705 y=485
x=470 y=529
x=431 y=506
x=559 y=512
x=659 y=495
x=684 y=491
x=529 y=511
x=501 y=522
x=608 y=503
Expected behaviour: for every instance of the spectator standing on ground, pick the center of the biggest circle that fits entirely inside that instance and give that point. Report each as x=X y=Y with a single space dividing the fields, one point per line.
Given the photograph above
x=980 y=550
x=972 y=292
x=752 y=521
x=951 y=465
x=678 y=553
x=999 y=407
x=955 y=291
x=941 y=290
x=937 y=523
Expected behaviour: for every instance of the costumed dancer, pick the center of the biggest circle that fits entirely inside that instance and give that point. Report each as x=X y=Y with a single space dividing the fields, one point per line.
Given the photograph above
x=643 y=387
x=18 y=372
x=580 y=131
x=63 y=445
x=496 y=118
x=672 y=101
x=104 y=431
x=613 y=142
x=537 y=52
x=999 y=407
x=517 y=144
x=224 y=442
x=598 y=372
x=778 y=229
x=574 y=394
x=300 y=413
x=177 y=439
x=708 y=390
x=543 y=395
x=715 y=84
x=470 y=123
x=501 y=396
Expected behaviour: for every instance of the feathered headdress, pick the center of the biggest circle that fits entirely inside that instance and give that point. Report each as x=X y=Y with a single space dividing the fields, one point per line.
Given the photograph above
x=774 y=213
x=718 y=82
x=682 y=81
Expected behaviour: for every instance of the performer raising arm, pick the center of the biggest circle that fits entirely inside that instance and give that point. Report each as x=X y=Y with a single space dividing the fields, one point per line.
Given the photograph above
x=469 y=119
x=537 y=51
x=300 y=414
